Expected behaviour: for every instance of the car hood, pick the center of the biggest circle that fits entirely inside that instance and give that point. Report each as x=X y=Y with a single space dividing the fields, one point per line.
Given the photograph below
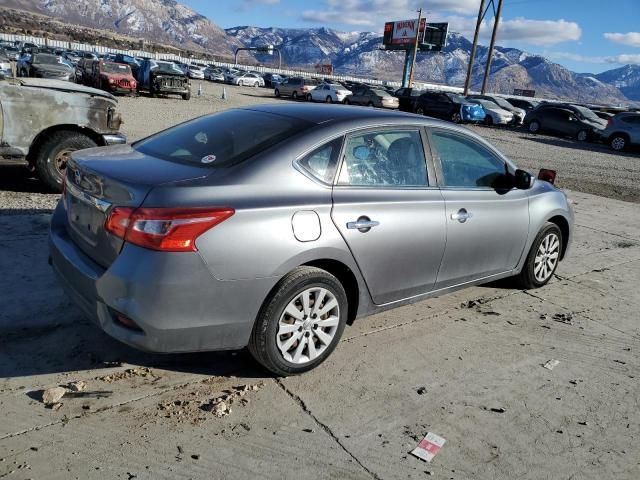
x=52 y=68
x=600 y=124
x=117 y=76
x=167 y=74
x=64 y=86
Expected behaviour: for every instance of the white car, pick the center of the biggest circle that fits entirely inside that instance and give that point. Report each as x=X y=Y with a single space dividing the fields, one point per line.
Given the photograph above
x=329 y=93
x=195 y=71
x=495 y=115
x=248 y=79
x=518 y=113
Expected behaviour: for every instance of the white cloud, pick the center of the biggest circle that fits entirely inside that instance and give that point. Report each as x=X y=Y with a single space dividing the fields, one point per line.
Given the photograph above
x=629 y=38
x=622 y=59
x=249 y=4
x=461 y=15
x=539 y=32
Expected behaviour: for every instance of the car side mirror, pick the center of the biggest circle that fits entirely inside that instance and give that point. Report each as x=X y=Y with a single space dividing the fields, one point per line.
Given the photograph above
x=522 y=179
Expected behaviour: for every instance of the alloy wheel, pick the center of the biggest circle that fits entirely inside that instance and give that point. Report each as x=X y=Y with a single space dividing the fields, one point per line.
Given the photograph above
x=618 y=143
x=456 y=118
x=546 y=257
x=308 y=325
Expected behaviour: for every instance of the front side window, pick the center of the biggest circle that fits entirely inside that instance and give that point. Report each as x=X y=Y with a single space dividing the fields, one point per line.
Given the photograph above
x=466 y=163
x=393 y=158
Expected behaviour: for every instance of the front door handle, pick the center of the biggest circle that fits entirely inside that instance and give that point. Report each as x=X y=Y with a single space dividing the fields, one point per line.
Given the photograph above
x=363 y=224
x=461 y=215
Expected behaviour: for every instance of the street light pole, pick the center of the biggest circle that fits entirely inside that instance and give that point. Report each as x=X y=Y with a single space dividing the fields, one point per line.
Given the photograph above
x=415 y=49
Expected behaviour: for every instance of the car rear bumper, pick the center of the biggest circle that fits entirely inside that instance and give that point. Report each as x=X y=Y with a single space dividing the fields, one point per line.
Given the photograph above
x=174 y=298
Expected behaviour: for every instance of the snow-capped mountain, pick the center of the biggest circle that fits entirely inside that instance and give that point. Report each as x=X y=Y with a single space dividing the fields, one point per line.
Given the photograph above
x=361 y=54
x=161 y=21
x=626 y=79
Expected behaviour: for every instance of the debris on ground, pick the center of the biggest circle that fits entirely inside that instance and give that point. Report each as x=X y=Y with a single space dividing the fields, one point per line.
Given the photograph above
x=565 y=318
x=428 y=447
x=56 y=406
x=473 y=303
x=51 y=396
x=78 y=386
x=551 y=364
x=128 y=373
x=421 y=390
x=497 y=410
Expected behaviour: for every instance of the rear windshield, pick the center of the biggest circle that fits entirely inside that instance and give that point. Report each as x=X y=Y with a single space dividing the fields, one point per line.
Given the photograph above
x=223 y=139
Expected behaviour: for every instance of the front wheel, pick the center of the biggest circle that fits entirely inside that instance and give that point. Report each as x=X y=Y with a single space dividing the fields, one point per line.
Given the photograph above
x=420 y=111
x=618 y=142
x=370 y=104
x=300 y=323
x=309 y=99
x=277 y=93
x=456 y=118
x=53 y=154
x=294 y=95
x=347 y=101
x=186 y=96
x=488 y=121
x=329 y=99
x=543 y=257
x=534 y=126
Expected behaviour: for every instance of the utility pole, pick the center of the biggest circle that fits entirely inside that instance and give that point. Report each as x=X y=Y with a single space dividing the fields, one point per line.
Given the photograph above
x=472 y=57
x=487 y=69
x=415 y=49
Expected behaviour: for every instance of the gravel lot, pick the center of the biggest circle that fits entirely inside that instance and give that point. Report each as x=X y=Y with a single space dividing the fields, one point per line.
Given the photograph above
x=467 y=366
x=588 y=168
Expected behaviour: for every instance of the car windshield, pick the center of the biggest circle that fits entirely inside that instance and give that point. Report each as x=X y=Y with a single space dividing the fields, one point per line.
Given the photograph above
x=116 y=68
x=46 y=59
x=223 y=139
x=166 y=67
x=503 y=103
x=455 y=97
x=586 y=113
x=380 y=93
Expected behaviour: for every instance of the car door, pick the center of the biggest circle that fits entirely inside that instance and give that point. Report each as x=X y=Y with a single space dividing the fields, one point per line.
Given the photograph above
x=390 y=212
x=487 y=227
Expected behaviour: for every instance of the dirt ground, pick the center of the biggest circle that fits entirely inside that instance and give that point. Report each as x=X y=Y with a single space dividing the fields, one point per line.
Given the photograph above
x=466 y=366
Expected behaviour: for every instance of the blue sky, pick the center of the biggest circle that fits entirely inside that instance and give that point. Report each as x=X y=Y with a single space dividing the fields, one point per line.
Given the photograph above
x=584 y=35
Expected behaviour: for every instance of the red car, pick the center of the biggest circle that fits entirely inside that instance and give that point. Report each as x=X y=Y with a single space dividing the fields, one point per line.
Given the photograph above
x=113 y=77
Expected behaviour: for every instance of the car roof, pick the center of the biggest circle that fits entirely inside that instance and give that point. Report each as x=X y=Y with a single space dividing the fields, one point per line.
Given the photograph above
x=322 y=114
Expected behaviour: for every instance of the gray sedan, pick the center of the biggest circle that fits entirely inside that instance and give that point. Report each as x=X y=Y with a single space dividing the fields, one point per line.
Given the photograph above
x=274 y=226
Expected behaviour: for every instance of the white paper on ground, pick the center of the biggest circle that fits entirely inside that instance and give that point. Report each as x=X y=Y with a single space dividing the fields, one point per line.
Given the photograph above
x=428 y=447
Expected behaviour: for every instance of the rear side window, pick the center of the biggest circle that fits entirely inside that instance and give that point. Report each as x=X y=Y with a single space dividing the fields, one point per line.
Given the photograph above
x=223 y=139
x=322 y=162
x=632 y=119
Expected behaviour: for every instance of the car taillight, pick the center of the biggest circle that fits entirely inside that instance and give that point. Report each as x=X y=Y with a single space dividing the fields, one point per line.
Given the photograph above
x=609 y=121
x=164 y=229
x=547 y=175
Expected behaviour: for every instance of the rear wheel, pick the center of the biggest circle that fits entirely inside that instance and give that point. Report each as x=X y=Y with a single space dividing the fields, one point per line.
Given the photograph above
x=618 y=142
x=543 y=257
x=488 y=120
x=309 y=98
x=329 y=99
x=294 y=95
x=420 y=111
x=456 y=118
x=277 y=93
x=534 y=126
x=53 y=154
x=347 y=101
x=301 y=322
x=186 y=96
x=370 y=104
x=582 y=136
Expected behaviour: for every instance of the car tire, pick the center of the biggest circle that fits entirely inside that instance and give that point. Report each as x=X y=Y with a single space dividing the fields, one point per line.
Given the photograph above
x=347 y=101
x=268 y=343
x=543 y=258
x=277 y=93
x=582 y=136
x=370 y=104
x=186 y=96
x=488 y=121
x=52 y=154
x=329 y=99
x=618 y=142
x=534 y=126
x=420 y=111
x=456 y=118
x=309 y=98
x=294 y=95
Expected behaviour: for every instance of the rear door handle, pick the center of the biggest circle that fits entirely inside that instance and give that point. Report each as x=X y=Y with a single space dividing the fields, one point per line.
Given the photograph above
x=363 y=224
x=461 y=215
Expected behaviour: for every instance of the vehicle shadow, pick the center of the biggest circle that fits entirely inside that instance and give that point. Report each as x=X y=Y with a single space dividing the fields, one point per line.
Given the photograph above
x=569 y=143
x=20 y=179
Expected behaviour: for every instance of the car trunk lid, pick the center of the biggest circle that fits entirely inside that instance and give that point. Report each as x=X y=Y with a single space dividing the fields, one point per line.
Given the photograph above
x=99 y=179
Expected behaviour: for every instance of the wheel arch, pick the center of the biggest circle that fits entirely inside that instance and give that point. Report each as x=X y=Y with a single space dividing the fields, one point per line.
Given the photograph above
x=42 y=136
x=563 y=224
x=621 y=134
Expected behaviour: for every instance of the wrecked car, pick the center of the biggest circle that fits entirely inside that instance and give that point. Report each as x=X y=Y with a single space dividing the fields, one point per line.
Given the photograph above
x=43 y=121
x=163 y=78
x=112 y=77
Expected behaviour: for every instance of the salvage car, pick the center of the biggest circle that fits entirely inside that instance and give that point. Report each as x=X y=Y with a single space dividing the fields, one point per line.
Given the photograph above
x=274 y=226
x=518 y=113
x=44 y=65
x=43 y=121
x=494 y=114
x=163 y=78
x=113 y=77
x=623 y=131
x=372 y=97
x=565 y=120
x=448 y=106
x=329 y=93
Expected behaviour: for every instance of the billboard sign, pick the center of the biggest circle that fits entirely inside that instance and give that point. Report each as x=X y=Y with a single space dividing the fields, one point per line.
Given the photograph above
x=402 y=33
x=524 y=93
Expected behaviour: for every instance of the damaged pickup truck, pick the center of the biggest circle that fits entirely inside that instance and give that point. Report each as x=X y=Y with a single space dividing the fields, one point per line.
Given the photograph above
x=163 y=78
x=43 y=121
